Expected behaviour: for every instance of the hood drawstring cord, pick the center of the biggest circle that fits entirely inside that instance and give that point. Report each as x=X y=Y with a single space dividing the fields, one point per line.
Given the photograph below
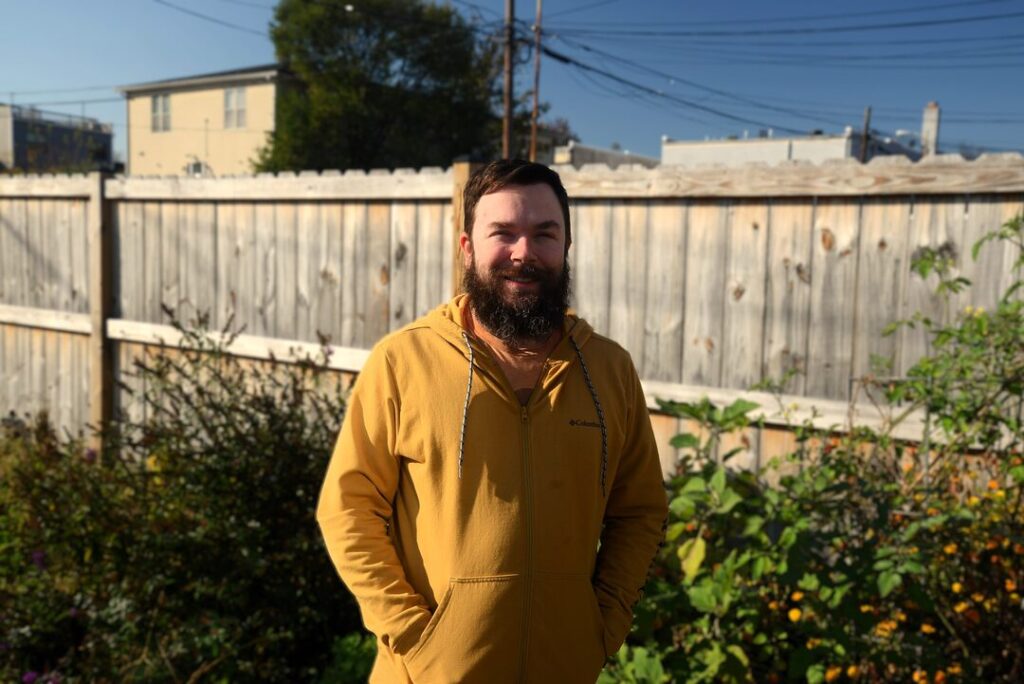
x=465 y=406
x=600 y=414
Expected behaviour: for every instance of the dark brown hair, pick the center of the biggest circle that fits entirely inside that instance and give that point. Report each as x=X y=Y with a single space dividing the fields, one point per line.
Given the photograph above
x=499 y=175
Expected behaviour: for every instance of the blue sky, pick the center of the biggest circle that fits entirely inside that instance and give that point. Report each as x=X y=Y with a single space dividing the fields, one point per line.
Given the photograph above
x=687 y=70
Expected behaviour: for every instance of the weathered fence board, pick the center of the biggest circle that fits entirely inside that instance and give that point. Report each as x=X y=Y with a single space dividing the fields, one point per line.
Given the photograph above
x=716 y=278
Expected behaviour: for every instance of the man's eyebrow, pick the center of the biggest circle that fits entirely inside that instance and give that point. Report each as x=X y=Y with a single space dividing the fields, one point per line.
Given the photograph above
x=543 y=225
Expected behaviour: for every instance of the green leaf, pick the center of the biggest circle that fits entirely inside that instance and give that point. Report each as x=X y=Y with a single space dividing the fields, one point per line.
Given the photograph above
x=737 y=652
x=683 y=507
x=816 y=674
x=674 y=530
x=809 y=582
x=718 y=481
x=692 y=553
x=729 y=501
x=738 y=408
x=702 y=597
x=694 y=485
x=753 y=525
x=758 y=567
x=888 y=581
x=685 y=441
x=1017 y=473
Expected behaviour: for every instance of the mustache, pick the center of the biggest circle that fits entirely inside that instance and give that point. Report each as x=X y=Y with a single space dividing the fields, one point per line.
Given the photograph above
x=524 y=271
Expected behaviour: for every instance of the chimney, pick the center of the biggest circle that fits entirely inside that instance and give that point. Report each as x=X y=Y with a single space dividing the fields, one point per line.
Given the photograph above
x=930 y=129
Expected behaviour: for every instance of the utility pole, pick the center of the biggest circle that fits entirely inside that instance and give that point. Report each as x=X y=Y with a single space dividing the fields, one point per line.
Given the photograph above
x=536 y=83
x=864 y=135
x=510 y=31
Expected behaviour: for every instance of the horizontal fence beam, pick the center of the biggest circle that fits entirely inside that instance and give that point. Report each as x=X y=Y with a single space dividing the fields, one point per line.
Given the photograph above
x=427 y=184
x=45 y=319
x=882 y=176
x=345 y=359
x=786 y=410
x=776 y=411
x=77 y=186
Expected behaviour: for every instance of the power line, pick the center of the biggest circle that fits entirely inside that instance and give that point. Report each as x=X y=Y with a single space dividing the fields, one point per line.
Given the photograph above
x=71 y=102
x=565 y=59
x=206 y=17
x=799 y=31
x=693 y=84
x=254 y=5
x=788 y=20
x=583 y=8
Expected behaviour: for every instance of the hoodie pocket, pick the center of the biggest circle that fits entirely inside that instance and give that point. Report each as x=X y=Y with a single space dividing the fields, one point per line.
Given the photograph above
x=475 y=630
x=566 y=629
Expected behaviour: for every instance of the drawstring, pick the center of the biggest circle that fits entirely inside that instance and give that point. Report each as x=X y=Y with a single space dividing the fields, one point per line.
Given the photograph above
x=465 y=406
x=600 y=413
x=590 y=387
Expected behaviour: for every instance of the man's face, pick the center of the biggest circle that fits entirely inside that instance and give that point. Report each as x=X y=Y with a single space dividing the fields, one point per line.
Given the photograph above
x=516 y=274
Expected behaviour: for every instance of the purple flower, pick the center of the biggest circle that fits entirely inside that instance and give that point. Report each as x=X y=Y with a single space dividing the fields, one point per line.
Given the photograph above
x=29 y=677
x=74 y=612
x=39 y=560
x=90 y=456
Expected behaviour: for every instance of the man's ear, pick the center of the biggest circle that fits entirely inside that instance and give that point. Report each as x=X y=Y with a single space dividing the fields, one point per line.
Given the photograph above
x=466 y=246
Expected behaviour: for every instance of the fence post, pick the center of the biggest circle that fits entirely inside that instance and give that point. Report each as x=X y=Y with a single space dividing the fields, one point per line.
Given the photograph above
x=462 y=169
x=101 y=367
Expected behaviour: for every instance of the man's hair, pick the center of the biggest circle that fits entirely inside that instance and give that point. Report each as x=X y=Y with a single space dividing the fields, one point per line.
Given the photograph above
x=501 y=174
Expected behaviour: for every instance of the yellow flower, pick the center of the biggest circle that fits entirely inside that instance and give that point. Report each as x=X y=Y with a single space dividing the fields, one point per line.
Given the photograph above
x=853 y=672
x=900 y=616
x=794 y=614
x=973 y=501
x=949 y=549
x=927 y=628
x=865 y=608
x=932 y=511
x=812 y=643
x=833 y=673
x=977 y=597
x=999 y=494
x=961 y=607
x=919 y=497
x=957 y=587
x=797 y=596
x=968 y=309
x=954 y=669
x=773 y=605
x=920 y=676
x=885 y=628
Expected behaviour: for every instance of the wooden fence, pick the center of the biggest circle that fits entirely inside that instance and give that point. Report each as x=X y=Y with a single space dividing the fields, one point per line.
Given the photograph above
x=712 y=278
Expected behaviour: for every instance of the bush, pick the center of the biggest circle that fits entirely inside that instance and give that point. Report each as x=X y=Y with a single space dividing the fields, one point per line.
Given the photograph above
x=188 y=549
x=872 y=559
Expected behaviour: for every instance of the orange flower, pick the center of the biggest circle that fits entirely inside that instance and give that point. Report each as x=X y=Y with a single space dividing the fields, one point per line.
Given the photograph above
x=796 y=596
x=956 y=587
x=993 y=485
x=940 y=677
x=949 y=549
x=794 y=614
x=927 y=628
x=919 y=677
x=977 y=597
x=955 y=669
x=853 y=672
x=1010 y=585
x=773 y=605
x=961 y=607
x=833 y=673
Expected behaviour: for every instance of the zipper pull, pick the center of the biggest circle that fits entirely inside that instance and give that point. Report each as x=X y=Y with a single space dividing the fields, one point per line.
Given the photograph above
x=522 y=413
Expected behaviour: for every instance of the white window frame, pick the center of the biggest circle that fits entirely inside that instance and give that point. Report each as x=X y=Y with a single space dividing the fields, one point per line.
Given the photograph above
x=160 y=112
x=234 y=107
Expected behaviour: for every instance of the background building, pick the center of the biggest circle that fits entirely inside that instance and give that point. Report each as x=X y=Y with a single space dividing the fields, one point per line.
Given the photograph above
x=210 y=124
x=32 y=140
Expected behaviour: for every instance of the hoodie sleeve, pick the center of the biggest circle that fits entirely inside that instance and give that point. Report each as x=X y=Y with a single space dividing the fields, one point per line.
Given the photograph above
x=355 y=509
x=634 y=523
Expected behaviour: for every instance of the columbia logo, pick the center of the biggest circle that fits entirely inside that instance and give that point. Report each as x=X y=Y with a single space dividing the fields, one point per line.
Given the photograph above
x=584 y=423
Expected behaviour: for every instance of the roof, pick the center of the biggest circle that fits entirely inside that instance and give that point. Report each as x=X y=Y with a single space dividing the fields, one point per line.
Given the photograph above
x=263 y=72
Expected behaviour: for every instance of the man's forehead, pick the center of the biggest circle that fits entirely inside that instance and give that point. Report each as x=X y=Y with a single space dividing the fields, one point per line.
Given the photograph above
x=537 y=199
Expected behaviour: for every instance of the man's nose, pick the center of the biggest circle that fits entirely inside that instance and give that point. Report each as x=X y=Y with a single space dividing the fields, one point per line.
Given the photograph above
x=522 y=250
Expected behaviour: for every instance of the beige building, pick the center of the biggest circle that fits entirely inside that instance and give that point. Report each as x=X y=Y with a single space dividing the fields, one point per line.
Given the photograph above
x=211 y=124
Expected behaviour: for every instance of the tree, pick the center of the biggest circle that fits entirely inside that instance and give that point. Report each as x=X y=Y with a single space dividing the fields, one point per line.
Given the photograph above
x=379 y=83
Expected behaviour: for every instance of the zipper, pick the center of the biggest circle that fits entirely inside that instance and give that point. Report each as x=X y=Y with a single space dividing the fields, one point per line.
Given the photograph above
x=528 y=575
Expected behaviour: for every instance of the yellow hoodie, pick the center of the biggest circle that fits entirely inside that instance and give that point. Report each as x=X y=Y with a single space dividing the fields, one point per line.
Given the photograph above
x=467 y=525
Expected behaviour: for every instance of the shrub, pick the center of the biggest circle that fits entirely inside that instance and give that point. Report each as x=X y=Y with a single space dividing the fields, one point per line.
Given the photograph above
x=188 y=549
x=872 y=558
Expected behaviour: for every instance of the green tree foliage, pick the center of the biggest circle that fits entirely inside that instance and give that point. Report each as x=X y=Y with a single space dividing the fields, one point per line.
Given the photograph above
x=379 y=83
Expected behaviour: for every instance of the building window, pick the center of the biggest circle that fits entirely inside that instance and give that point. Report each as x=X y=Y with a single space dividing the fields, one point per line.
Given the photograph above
x=161 y=111
x=234 y=108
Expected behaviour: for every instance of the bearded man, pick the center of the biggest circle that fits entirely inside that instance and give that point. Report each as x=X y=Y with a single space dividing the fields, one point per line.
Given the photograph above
x=495 y=496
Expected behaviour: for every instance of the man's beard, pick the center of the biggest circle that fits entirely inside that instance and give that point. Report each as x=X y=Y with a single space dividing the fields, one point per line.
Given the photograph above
x=519 y=317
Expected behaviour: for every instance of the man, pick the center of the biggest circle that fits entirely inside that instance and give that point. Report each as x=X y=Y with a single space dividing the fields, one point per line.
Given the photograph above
x=486 y=450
